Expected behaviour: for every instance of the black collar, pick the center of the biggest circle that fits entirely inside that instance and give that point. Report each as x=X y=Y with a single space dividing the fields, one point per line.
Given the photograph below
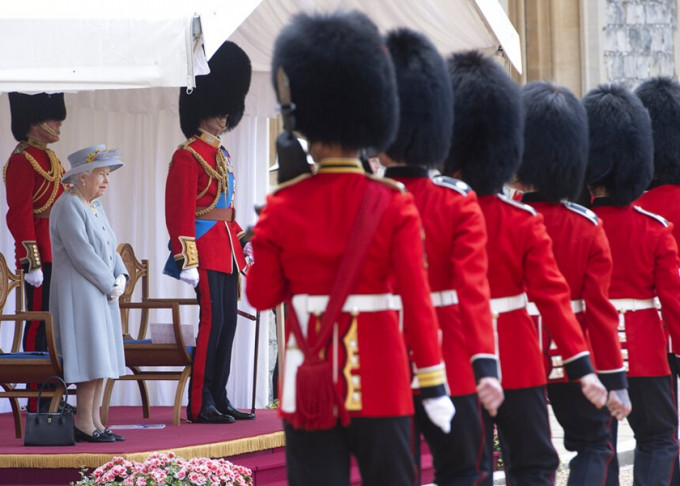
x=606 y=201
x=399 y=171
x=536 y=196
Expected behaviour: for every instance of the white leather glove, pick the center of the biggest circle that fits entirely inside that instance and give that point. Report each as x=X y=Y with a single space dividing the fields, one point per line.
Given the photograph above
x=190 y=276
x=440 y=411
x=593 y=389
x=34 y=277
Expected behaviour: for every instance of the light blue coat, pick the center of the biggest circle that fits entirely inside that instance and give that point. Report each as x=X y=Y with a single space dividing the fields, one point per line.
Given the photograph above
x=84 y=268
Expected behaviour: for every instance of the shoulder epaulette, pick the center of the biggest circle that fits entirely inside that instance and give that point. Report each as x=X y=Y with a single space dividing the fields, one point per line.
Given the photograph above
x=451 y=183
x=292 y=182
x=186 y=143
x=658 y=217
x=581 y=211
x=391 y=183
x=517 y=204
x=21 y=146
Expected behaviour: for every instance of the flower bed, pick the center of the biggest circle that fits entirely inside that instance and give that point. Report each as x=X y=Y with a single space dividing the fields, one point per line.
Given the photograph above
x=168 y=469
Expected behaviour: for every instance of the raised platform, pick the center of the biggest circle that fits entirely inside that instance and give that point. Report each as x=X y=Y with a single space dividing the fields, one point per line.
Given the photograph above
x=257 y=444
x=248 y=443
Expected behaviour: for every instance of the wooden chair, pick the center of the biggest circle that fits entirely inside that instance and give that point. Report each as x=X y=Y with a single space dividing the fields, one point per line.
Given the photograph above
x=139 y=350
x=17 y=367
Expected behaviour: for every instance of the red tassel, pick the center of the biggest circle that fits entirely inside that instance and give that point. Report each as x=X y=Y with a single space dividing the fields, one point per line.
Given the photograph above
x=316 y=397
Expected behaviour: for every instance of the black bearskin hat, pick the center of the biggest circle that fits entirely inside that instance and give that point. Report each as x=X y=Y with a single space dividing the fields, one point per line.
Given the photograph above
x=221 y=92
x=488 y=134
x=425 y=100
x=29 y=110
x=620 y=157
x=555 y=141
x=341 y=79
x=661 y=97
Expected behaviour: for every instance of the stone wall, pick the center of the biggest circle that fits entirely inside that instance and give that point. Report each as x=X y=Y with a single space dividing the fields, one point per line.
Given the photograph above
x=638 y=39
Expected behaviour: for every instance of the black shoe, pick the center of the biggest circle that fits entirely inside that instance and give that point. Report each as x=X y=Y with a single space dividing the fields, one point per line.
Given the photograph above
x=210 y=415
x=97 y=436
x=237 y=414
x=109 y=433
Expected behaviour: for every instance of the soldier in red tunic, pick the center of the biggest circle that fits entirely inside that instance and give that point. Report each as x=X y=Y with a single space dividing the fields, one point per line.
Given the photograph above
x=204 y=234
x=306 y=246
x=32 y=179
x=645 y=257
x=485 y=152
x=455 y=245
x=661 y=97
x=552 y=171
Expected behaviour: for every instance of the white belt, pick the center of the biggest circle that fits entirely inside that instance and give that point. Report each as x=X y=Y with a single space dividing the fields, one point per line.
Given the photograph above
x=502 y=305
x=315 y=304
x=577 y=305
x=444 y=298
x=624 y=305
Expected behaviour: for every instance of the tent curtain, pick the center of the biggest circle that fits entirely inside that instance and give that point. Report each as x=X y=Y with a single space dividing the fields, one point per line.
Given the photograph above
x=144 y=125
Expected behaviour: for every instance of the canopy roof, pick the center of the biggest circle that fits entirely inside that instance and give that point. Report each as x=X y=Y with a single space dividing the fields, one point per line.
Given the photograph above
x=79 y=45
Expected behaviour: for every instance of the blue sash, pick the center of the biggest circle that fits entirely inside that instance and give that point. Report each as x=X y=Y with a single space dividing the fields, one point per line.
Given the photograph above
x=202 y=226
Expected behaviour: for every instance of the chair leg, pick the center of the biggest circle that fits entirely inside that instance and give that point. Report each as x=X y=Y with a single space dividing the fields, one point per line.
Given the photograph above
x=18 y=423
x=179 y=394
x=143 y=392
x=106 y=400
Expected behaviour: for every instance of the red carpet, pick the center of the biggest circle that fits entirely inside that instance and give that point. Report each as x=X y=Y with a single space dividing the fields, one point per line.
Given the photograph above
x=254 y=441
x=257 y=444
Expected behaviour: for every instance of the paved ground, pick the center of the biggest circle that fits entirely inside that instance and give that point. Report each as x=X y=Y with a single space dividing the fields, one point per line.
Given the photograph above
x=626 y=444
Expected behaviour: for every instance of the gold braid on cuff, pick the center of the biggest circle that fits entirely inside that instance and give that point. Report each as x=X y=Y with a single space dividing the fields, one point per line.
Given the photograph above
x=431 y=378
x=32 y=255
x=189 y=252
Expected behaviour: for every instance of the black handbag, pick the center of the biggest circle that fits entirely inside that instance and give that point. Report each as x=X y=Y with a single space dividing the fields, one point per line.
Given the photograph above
x=50 y=429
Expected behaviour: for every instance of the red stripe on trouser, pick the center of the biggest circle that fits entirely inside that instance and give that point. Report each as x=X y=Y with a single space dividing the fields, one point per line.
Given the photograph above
x=201 y=353
x=33 y=326
x=31 y=333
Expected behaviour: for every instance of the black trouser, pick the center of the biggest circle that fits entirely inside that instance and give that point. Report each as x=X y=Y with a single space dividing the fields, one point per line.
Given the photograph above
x=675 y=372
x=655 y=423
x=524 y=432
x=586 y=432
x=217 y=294
x=459 y=457
x=381 y=447
x=35 y=337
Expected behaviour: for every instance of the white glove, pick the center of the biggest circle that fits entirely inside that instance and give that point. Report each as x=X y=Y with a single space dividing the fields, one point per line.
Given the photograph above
x=34 y=277
x=190 y=276
x=118 y=288
x=440 y=411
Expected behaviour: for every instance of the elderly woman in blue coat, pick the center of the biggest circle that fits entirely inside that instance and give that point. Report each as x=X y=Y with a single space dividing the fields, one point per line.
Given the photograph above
x=88 y=277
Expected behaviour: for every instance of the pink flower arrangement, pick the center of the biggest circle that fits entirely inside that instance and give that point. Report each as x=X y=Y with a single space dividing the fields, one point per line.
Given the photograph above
x=168 y=469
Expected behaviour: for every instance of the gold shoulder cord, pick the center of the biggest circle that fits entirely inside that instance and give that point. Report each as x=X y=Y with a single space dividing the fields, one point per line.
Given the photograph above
x=53 y=175
x=220 y=173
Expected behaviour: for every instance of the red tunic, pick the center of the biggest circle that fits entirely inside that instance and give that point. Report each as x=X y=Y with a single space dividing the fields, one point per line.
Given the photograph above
x=30 y=196
x=455 y=245
x=645 y=258
x=189 y=186
x=582 y=253
x=298 y=243
x=521 y=260
x=663 y=200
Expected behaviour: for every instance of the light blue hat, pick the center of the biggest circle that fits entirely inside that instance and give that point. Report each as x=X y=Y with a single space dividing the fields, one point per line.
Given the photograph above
x=90 y=158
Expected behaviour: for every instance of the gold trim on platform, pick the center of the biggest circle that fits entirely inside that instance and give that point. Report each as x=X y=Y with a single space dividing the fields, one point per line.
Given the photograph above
x=77 y=461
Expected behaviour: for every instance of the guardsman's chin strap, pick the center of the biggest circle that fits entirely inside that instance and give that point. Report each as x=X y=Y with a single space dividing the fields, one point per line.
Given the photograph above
x=291 y=157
